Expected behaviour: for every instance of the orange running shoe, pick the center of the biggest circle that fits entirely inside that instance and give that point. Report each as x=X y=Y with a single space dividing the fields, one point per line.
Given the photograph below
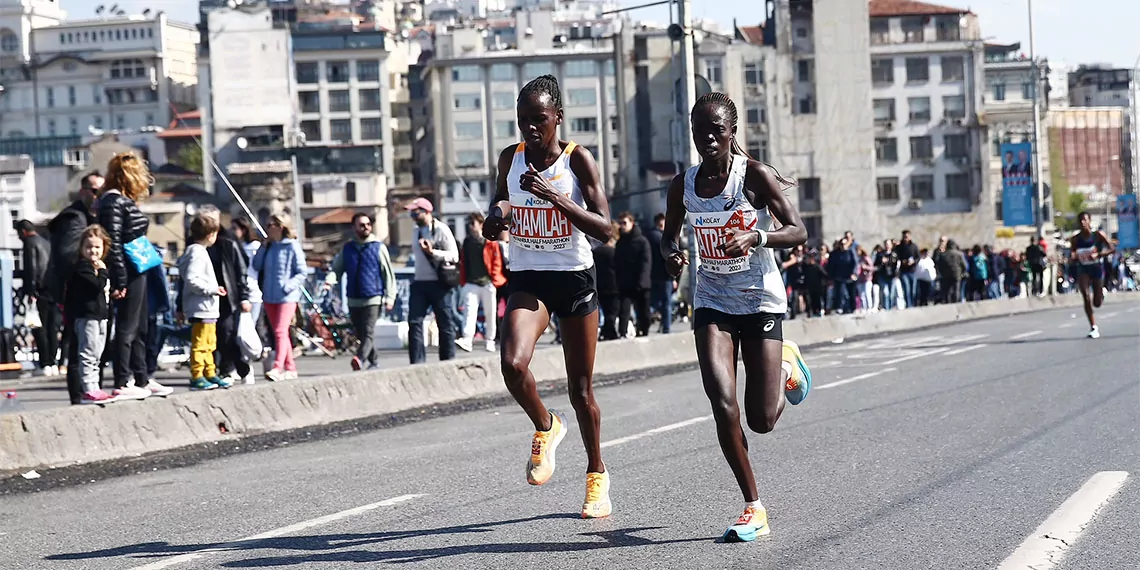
x=597 y=503
x=540 y=468
x=751 y=524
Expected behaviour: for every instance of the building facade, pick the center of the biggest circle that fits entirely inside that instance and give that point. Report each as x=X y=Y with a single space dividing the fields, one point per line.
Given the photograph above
x=1092 y=158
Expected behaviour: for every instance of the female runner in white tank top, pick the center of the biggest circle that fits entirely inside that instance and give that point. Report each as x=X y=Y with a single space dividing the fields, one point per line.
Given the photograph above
x=740 y=299
x=550 y=197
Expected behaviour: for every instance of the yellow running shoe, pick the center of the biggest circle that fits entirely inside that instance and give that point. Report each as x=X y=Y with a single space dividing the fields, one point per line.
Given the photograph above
x=597 y=503
x=751 y=524
x=540 y=468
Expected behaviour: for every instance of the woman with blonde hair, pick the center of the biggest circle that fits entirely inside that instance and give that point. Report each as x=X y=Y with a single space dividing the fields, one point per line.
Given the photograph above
x=130 y=256
x=280 y=264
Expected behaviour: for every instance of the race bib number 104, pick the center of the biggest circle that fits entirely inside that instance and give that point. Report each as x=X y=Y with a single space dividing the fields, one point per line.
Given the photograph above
x=710 y=229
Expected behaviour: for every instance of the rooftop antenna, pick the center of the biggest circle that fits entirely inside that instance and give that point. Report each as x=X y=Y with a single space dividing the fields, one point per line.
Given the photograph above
x=99 y=10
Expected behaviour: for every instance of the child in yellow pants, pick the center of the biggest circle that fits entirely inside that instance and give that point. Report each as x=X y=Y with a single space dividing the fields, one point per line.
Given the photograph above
x=200 y=303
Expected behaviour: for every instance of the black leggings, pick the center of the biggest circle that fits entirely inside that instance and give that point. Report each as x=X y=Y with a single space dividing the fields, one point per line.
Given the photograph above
x=129 y=356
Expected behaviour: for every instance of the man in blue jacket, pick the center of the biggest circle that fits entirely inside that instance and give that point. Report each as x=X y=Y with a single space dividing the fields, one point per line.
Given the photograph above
x=366 y=268
x=843 y=269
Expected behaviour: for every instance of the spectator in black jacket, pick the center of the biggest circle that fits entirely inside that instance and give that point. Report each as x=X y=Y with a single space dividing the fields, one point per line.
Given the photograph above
x=37 y=255
x=66 y=229
x=1035 y=255
x=951 y=266
x=634 y=262
x=843 y=269
x=663 y=285
x=128 y=181
x=231 y=267
x=609 y=297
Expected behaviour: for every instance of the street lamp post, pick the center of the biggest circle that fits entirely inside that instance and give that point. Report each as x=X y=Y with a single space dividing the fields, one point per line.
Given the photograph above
x=1039 y=193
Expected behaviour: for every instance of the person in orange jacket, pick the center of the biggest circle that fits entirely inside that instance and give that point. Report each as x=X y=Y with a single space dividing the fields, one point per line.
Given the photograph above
x=480 y=274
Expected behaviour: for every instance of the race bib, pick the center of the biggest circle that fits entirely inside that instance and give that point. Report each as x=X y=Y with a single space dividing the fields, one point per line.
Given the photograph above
x=1085 y=255
x=711 y=232
x=538 y=226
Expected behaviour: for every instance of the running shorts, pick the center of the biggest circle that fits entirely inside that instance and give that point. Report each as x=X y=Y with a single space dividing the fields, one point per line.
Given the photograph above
x=1093 y=271
x=567 y=294
x=748 y=327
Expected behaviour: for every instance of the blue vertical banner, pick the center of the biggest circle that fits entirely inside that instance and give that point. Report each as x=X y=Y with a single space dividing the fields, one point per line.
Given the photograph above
x=1017 y=195
x=1129 y=233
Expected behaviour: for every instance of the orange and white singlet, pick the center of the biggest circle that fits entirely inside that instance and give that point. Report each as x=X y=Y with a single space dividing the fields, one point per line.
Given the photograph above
x=542 y=237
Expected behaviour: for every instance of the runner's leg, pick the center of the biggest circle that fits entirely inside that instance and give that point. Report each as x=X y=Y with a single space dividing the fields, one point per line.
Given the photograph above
x=1083 y=285
x=579 y=343
x=763 y=387
x=716 y=353
x=523 y=325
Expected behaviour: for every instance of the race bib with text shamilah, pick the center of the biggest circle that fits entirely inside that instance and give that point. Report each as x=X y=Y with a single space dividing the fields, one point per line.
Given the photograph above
x=538 y=226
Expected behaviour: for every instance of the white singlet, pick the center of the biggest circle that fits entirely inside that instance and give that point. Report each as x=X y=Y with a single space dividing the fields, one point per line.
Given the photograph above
x=542 y=237
x=742 y=285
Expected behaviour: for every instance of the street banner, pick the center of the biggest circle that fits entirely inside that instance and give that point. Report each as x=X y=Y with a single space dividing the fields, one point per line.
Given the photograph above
x=1017 y=195
x=1129 y=233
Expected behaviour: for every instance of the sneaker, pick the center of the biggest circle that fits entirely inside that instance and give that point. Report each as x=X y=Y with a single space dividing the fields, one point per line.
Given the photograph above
x=597 y=503
x=248 y=379
x=221 y=382
x=540 y=467
x=751 y=524
x=1094 y=332
x=97 y=397
x=199 y=384
x=290 y=374
x=464 y=343
x=799 y=377
x=157 y=389
x=130 y=392
x=491 y=346
x=357 y=364
x=275 y=375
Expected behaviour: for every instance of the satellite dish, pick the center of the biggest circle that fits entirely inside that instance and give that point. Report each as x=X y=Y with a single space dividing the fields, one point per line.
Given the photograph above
x=242 y=143
x=701 y=89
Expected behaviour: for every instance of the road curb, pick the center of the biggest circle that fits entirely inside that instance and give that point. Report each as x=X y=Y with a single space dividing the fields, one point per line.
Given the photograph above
x=84 y=434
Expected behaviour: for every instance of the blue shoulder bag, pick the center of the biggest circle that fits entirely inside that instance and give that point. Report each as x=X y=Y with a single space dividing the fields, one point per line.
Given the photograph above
x=142 y=254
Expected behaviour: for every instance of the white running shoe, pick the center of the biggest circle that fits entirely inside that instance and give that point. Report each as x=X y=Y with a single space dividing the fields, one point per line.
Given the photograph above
x=1094 y=332
x=465 y=344
x=131 y=392
x=157 y=389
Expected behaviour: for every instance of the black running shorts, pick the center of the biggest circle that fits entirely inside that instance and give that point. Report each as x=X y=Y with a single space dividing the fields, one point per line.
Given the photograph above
x=566 y=294
x=749 y=327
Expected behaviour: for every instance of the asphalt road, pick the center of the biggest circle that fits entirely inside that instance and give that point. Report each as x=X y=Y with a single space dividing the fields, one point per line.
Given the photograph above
x=943 y=449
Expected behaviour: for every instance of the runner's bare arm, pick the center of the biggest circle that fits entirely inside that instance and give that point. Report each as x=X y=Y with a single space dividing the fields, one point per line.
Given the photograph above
x=1073 y=247
x=674 y=219
x=499 y=212
x=594 y=219
x=1110 y=250
x=764 y=190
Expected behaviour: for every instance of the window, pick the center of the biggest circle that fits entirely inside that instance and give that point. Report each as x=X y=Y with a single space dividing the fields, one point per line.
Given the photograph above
x=73 y=125
x=753 y=74
x=369 y=99
x=754 y=116
x=307 y=192
x=149 y=119
x=949 y=28
x=118 y=35
x=1027 y=90
x=71 y=98
x=581 y=97
x=880 y=31
x=312 y=130
x=956 y=146
x=584 y=125
x=470 y=159
x=339 y=101
x=466 y=73
x=882 y=71
x=9 y=42
x=467 y=102
x=368 y=71
x=310 y=101
x=611 y=94
x=886 y=150
x=97 y=94
x=888 y=189
x=372 y=129
x=953 y=68
x=914 y=30
x=917 y=69
x=130 y=95
x=921 y=148
x=922 y=187
x=97 y=122
x=581 y=68
x=712 y=70
x=51 y=127
x=50 y=97
x=809 y=194
x=954 y=107
x=614 y=124
x=537 y=68
x=307 y=73
x=804 y=70
x=503 y=100
x=806 y=105
x=884 y=110
x=761 y=148
x=503 y=72
x=958 y=185
x=340 y=130
x=608 y=67
x=593 y=150
x=350 y=192
x=336 y=71
x=919 y=109
x=468 y=131
x=504 y=129
x=999 y=92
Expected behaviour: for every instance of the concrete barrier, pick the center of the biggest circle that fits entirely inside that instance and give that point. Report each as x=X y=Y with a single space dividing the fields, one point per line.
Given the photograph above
x=81 y=434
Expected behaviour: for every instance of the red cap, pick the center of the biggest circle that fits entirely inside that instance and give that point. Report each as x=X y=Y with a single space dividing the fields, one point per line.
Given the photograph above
x=420 y=204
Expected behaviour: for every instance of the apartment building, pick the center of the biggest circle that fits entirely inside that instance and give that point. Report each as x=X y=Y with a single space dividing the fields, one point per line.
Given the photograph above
x=1099 y=86
x=1093 y=153
x=118 y=73
x=931 y=161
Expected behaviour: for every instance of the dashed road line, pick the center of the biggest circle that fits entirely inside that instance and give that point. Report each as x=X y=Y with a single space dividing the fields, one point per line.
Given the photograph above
x=965 y=349
x=656 y=431
x=1026 y=335
x=855 y=378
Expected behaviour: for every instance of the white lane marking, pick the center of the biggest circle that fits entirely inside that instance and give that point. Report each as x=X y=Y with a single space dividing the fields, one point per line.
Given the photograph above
x=919 y=354
x=1109 y=315
x=1047 y=546
x=1025 y=335
x=283 y=531
x=965 y=349
x=1068 y=325
x=656 y=431
x=855 y=378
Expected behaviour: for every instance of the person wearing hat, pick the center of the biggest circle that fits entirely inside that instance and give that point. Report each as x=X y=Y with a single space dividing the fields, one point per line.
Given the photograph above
x=437 y=275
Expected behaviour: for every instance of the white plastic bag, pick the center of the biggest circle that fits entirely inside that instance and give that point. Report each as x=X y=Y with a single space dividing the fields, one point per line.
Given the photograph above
x=248 y=340
x=32 y=317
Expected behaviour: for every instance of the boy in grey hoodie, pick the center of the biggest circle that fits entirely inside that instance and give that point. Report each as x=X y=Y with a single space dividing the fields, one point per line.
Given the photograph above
x=200 y=294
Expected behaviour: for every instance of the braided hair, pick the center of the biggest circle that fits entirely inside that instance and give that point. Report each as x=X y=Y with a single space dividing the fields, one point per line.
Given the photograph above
x=718 y=99
x=543 y=85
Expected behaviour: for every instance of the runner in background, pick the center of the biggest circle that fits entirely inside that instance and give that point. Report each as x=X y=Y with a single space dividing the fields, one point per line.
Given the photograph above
x=1088 y=248
x=731 y=201
x=550 y=196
